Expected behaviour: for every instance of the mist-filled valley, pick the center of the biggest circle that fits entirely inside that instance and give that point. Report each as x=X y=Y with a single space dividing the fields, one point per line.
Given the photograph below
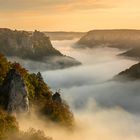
x=94 y=78
x=103 y=108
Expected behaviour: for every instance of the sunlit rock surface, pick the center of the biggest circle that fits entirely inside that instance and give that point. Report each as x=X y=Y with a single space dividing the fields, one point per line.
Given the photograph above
x=21 y=46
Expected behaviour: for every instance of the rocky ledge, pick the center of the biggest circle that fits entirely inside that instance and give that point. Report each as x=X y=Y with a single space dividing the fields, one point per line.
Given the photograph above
x=17 y=93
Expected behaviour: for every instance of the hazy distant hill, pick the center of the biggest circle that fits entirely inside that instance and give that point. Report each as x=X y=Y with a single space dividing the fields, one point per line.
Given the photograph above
x=60 y=35
x=134 y=52
x=111 y=38
x=132 y=73
x=122 y=39
x=34 y=46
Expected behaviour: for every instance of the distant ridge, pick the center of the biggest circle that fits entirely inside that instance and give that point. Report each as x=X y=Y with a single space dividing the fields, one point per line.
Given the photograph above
x=63 y=35
x=128 y=39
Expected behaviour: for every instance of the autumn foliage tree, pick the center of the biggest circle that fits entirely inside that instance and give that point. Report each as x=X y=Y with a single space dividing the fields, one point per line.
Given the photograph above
x=4 y=67
x=39 y=94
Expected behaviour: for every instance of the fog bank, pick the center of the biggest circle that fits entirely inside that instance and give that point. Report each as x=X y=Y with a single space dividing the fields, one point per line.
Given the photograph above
x=93 y=123
x=92 y=79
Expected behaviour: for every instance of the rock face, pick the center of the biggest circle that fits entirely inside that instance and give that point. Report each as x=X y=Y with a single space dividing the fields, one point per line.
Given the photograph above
x=17 y=93
x=56 y=97
x=35 y=47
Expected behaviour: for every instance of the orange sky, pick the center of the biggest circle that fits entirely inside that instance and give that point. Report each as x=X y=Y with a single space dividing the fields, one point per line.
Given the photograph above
x=69 y=15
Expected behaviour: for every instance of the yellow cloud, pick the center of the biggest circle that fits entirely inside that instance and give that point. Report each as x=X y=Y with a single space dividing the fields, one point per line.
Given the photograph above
x=23 y=5
x=79 y=15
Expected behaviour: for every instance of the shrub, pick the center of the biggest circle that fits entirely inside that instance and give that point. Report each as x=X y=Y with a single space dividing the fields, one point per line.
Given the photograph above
x=31 y=134
x=38 y=89
x=9 y=130
x=4 y=67
x=8 y=124
x=59 y=112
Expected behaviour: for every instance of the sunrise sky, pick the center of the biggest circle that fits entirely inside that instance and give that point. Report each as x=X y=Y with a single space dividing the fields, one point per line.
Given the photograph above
x=69 y=15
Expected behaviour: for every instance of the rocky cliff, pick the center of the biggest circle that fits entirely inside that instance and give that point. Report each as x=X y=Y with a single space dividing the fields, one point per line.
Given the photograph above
x=35 y=46
x=17 y=95
x=26 y=45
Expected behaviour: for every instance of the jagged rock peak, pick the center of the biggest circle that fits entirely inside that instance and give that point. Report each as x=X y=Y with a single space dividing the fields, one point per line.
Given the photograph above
x=17 y=93
x=57 y=97
x=39 y=76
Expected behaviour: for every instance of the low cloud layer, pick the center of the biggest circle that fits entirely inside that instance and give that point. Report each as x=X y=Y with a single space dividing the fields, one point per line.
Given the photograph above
x=92 y=123
x=92 y=79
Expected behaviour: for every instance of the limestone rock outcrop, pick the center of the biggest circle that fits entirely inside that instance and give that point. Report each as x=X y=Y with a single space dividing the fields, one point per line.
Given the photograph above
x=17 y=93
x=56 y=97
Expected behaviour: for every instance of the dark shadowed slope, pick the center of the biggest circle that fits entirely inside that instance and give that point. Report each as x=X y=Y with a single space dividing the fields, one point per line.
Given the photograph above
x=132 y=73
x=132 y=53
